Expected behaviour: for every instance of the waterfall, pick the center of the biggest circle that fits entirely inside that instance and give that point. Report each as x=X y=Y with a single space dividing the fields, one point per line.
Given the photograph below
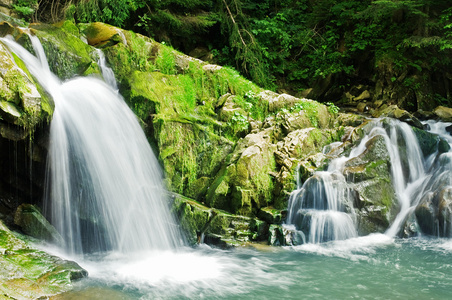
x=322 y=208
x=105 y=188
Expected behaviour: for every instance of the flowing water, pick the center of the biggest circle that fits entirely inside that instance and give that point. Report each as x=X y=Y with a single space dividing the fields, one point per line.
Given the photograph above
x=130 y=240
x=105 y=187
x=371 y=267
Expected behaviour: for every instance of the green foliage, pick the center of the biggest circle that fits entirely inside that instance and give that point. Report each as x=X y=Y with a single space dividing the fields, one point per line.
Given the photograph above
x=311 y=109
x=114 y=12
x=25 y=8
x=165 y=61
x=332 y=108
x=237 y=124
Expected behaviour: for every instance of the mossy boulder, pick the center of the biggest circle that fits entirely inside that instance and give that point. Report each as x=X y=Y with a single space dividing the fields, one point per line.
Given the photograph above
x=28 y=273
x=21 y=103
x=66 y=53
x=190 y=154
x=369 y=175
x=216 y=227
x=33 y=223
x=102 y=35
x=245 y=184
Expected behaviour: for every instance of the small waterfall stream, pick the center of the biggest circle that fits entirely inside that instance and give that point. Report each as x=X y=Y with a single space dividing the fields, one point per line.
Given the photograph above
x=105 y=187
x=322 y=208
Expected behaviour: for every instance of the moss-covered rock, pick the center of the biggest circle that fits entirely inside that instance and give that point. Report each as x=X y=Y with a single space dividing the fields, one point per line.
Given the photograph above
x=443 y=113
x=246 y=183
x=370 y=177
x=102 y=35
x=217 y=227
x=28 y=273
x=66 y=53
x=21 y=104
x=33 y=223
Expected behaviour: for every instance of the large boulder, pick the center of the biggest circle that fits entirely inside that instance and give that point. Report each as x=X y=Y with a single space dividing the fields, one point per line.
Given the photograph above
x=443 y=113
x=33 y=223
x=369 y=177
x=28 y=273
x=245 y=183
x=434 y=212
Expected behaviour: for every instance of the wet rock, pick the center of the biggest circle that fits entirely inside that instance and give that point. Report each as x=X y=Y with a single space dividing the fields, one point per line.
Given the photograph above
x=34 y=224
x=66 y=53
x=28 y=273
x=369 y=175
x=276 y=236
x=445 y=212
x=217 y=227
x=443 y=113
x=449 y=129
x=272 y=215
x=429 y=142
x=395 y=112
x=426 y=214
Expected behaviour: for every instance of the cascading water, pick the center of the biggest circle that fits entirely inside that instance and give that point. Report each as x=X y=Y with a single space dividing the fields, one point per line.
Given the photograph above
x=105 y=186
x=322 y=208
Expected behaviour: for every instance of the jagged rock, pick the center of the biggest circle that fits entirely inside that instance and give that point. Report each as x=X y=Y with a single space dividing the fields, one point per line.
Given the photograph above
x=310 y=165
x=216 y=227
x=245 y=184
x=443 y=113
x=395 y=112
x=369 y=175
x=33 y=223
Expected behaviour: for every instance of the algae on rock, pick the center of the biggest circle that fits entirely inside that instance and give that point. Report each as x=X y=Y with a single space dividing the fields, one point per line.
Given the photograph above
x=29 y=273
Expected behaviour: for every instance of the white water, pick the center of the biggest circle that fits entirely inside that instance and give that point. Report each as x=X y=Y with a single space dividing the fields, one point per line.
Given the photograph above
x=318 y=209
x=105 y=186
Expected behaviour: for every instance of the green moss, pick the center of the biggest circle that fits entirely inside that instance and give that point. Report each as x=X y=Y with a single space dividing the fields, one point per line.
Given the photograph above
x=30 y=273
x=67 y=54
x=166 y=61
